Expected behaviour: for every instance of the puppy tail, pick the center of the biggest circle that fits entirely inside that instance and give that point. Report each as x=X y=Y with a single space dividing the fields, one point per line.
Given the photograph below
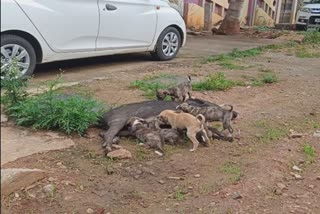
x=189 y=78
x=201 y=118
x=231 y=107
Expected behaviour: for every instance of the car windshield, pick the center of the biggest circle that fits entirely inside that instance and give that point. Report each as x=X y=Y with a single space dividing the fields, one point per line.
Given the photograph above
x=314 y=2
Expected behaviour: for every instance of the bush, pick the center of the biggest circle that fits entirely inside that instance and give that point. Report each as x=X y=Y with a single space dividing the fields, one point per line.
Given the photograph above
x=214 y=82
x=269 y=78
x=312 y=38
x=50 y=110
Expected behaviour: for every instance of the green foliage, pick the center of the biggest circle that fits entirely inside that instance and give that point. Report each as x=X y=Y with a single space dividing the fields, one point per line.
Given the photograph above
x=269 y=78
x=15 y=88
x=312 y=38
x=179 y=195
x=50 y=110
x=309 y=151
x=150 y=84
x=214 y=82
x=57 y=112
x=233 y=170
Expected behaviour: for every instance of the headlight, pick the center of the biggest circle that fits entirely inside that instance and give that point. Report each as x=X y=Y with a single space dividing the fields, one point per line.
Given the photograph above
x=306 y=10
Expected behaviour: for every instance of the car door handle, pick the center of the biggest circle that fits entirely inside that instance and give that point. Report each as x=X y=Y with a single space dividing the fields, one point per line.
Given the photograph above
x=110 y=7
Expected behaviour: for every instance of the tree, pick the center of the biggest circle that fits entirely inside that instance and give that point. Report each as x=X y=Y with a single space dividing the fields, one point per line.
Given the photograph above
x=231 y=22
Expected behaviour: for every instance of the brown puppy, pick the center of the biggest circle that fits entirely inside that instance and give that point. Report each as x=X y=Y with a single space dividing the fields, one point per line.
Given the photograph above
x=211 y=113
x=187 y=121
x=149 y=137
x=179 y=93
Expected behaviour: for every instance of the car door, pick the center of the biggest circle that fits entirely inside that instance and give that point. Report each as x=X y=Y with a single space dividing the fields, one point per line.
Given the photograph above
x=126 y=24
x=66 y=25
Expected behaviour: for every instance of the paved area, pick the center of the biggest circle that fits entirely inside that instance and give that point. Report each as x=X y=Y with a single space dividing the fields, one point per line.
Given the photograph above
x=17 y=143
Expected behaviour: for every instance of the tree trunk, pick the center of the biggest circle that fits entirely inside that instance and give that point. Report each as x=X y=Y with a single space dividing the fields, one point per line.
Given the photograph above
x=231 y=22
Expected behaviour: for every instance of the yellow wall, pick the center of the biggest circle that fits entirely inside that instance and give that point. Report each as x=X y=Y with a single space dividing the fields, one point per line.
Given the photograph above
x=262 y=18
x=195 y=17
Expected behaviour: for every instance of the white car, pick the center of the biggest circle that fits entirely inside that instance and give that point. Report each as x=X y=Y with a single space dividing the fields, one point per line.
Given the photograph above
x=309 y=15
x=40 y=31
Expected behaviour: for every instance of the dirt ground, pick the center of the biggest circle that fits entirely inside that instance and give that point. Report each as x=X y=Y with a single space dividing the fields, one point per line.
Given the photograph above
x=253 y=174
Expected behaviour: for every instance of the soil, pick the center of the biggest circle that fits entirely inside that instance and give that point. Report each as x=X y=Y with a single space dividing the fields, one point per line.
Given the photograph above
x=253 y=174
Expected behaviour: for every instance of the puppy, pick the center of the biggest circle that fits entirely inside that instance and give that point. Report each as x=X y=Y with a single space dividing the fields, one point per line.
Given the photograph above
x=187 y=121
x=179 y=93
x=212 y=113
x=171 y=136
x=149 y=137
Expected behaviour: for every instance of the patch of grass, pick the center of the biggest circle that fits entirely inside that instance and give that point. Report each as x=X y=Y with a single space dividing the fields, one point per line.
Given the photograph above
x=305 y=53
x=151 y=83
x=49 y=110
x=141 y=153
x=233 y=170
x=312 y=38
x=309 y=151
x=179 y=195
x=214 y=82
x=208 y=188
x=271 y=134
x=269 y=78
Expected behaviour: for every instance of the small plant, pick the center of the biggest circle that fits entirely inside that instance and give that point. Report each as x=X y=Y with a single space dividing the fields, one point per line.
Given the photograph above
x=309 y=151
x=49 y=110
x=15 y=88
x=312 y=38
x=233 y=170
x=269 y=78
x=213 y=82
x=141 y=153
x=179 y=195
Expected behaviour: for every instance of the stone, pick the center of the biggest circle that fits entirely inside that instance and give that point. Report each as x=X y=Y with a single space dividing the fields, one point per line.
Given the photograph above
x=281 y=186
x=196 y=176
x=161 y=181
x=294 y=134
x=316 y=134
x=120 y=154
x=236 y=196
x=14 y=179
x=311 y=186
x=49 y=190
x=16 y=195
x=296 y=176
x=296 y=168
x=4 y=118
x=318 y=178
x=90 y=211
x=175 y=178
x=51 y=179
x=81 y=187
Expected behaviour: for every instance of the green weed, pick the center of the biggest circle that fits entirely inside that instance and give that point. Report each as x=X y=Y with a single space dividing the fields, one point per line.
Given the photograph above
x=49 y=110
x=179 y=195
x=214 y=82
x=233 y=170
x=312 y=38
x=150 y=84
x=309 y=151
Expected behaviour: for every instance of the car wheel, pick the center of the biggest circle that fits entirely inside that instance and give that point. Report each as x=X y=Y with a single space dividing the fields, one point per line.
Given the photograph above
x=17 y=50
x=168 y=44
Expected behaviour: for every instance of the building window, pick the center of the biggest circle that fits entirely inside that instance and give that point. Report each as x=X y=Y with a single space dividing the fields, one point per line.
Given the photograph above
x=218 y=9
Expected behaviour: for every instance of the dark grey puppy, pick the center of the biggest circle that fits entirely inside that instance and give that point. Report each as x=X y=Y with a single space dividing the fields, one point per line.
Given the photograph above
x=178 y=93
x=149 y=137
x=171 y=136
x=212 y=113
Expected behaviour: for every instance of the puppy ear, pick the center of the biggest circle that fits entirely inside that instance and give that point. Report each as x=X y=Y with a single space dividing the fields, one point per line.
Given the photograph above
x=189 y=78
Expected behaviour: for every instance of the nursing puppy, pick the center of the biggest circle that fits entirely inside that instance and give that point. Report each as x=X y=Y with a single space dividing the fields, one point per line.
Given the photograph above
x=179 y=93
x=171 y=136
x=187 y=121
x=151 y=138
x=211 y=113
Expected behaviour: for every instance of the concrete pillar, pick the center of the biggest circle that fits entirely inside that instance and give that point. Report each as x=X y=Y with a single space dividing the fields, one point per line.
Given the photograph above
x=293 y=11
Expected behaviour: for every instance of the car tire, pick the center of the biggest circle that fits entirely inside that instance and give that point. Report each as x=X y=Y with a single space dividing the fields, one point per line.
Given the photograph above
x=24 y=49
x=170 y=36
